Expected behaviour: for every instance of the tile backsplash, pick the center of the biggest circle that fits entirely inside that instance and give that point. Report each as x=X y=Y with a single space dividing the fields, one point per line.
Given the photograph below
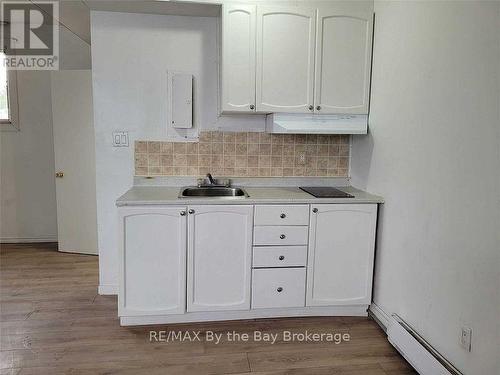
x=230 y=154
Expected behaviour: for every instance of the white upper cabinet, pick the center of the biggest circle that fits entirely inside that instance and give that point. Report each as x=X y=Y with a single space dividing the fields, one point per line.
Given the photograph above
x=296 y=59
x=238 y=58
x=343 y=58
x=285 y=59
x=153 y=261
x=341 y=249
x=219 y=257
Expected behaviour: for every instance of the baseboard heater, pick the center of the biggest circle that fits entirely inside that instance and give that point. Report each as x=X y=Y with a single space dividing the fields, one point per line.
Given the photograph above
x=418 y=352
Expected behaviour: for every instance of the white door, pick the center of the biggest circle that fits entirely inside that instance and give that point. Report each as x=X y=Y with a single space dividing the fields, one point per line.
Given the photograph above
x=238 y=58
x=219 y=257
x=73 y=127
x=285 y=59
x=341 y=250
x=152 y=261
x=343 y=58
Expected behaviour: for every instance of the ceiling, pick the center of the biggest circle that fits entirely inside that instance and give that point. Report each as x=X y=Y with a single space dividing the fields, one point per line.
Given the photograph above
x=74 y=15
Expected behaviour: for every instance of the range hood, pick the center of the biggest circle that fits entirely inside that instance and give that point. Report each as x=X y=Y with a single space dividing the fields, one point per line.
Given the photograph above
x=291 y=123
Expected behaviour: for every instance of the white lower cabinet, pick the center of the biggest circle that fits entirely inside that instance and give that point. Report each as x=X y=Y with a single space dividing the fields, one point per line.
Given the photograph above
x=214 y=262
x=341 y=250
x=278 y=287
x=219 y=257
x=152 y=261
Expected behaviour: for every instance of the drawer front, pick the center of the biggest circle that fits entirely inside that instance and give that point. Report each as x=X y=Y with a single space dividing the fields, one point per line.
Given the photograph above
x=282 y=215
x=278 y=287
x=280 y=235
x=280 y=256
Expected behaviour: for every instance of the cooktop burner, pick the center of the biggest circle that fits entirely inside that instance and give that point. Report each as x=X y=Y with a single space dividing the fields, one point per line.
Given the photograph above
x=326 y=192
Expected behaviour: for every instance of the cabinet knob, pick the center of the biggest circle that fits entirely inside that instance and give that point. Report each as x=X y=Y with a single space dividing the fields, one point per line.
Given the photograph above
x=281 y=257
x=252 y=106
x=191 y=211
x=311 y=107
x=282 y=236
x=282 y=216
x=183 y=213
x=315 y=210
x=279 y=290
x=318 y=108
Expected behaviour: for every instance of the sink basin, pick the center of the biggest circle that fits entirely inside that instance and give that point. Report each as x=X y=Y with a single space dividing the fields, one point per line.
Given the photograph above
x=213 y=192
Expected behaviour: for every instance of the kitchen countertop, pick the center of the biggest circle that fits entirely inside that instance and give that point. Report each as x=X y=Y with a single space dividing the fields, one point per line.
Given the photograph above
x=168 y=195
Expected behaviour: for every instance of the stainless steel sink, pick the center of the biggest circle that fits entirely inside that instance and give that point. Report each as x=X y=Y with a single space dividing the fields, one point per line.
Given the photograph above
x=212 y=191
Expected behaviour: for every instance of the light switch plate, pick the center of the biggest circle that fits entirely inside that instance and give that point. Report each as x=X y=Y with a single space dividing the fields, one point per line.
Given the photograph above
x=466 y=338
x=120 y=139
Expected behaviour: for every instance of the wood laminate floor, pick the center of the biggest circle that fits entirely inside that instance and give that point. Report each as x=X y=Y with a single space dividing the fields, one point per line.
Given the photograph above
x=54 y=322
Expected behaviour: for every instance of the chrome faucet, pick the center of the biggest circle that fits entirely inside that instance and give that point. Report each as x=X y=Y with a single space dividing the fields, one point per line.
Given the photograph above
x=212 y=182
x=211 y=179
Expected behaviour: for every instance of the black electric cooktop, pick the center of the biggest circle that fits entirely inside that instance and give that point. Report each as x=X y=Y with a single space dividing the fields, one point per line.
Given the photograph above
x=325 y=192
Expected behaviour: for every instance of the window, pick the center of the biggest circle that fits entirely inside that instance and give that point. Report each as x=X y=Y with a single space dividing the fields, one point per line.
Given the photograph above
x=8 y=97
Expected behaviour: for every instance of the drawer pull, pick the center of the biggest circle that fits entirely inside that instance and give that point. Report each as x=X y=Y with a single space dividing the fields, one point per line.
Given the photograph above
x=282 y=216
x=281 y=257
x=279 y=290
x=315 y=210
x=282 y=236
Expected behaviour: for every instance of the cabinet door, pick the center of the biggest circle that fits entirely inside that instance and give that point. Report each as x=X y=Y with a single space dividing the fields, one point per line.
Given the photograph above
x=340 y=259
x=285 y=59
x=238 y=58
x=152 y=261
x=219 y=257
x=343 y=58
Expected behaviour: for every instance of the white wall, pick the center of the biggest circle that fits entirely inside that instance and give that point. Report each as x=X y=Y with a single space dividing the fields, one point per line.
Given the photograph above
x=28 y=195
x=433 y=153
x=131 y=54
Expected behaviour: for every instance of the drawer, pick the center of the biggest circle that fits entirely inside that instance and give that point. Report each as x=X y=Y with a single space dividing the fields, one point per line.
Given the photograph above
x=280 y=235
x=280 y=256
x=282 y=215
x=278 y=287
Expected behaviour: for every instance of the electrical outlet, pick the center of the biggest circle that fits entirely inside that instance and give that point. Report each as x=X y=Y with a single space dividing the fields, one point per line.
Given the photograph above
x=302 y=158
x=466 y=338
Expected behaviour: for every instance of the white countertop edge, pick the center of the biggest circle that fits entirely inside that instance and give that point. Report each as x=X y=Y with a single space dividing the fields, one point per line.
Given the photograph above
x=163 y=195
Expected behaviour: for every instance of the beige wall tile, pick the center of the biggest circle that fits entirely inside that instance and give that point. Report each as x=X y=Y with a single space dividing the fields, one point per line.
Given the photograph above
x=264 y=161
x=180 y=148
x=253 y=149
x=217 y=148
x=245 y=154
x=180 y=160
x=240 y=161
x=192 y=160
x=153 y=146
x=205 y=148
x=192 y=148
x=229 y=137
x=253 y=137
x=276 y=161
x=229 y=149
x=155 y=171
x=241 y=137
x=253 y=161
x=141 y=160
x=205 y=137
x=241 y=149
x=153 y=160
x=166 y=147
x=264 y=149
x=166 y=160
x=141 y=171
x=141 y=146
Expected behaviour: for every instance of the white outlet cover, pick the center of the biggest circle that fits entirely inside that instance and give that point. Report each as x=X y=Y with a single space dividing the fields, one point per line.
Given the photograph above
x=120 y=139
x=466 y=338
